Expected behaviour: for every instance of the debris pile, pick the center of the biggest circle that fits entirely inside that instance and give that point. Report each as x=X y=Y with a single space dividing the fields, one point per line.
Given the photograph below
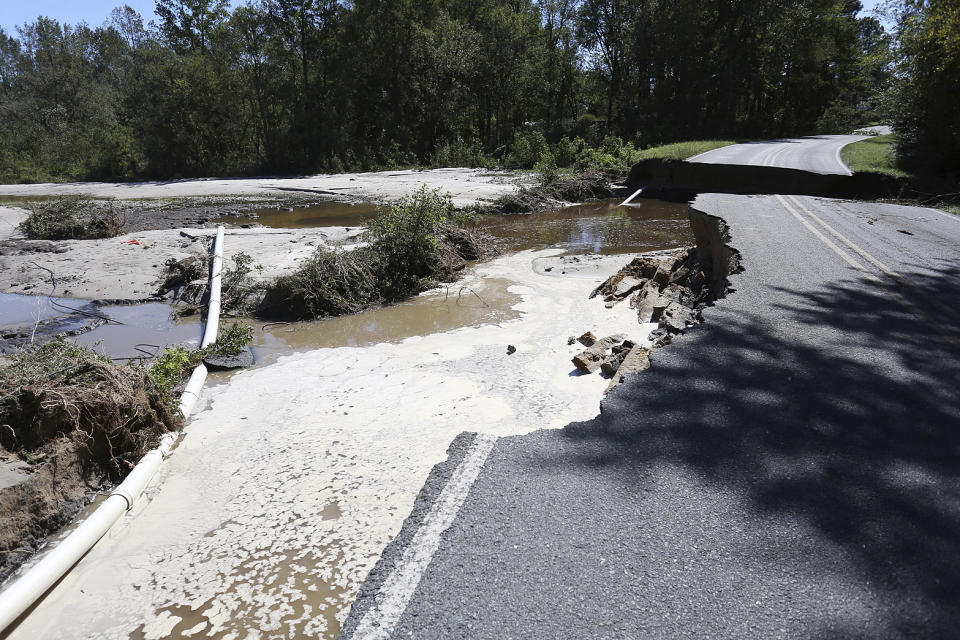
x=667 y=288
x=615 y=356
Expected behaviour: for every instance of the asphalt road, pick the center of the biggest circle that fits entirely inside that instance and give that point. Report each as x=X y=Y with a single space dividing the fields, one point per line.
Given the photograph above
x=788 y=469
x=820 y=154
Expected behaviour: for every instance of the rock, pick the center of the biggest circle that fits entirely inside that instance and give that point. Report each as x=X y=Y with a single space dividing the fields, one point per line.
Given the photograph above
x=590 y=360
x=648 y=299
x=609 y=341
x=676 y=317
x=571 y=340
x=612 y=362
x=638 y=359
x=587 y=339
x=238 y=361
x=511 y=349
x=626 y=286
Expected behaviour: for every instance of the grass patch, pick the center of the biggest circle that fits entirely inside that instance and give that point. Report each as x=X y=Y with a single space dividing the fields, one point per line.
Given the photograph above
x=411 y=247
x=874 y=155
x=115 y=413
x=72 y=218
x=951 y=208
x=682 y=150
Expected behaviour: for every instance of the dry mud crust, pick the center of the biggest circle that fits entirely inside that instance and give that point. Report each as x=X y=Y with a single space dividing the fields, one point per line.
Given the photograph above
x=467 y=187
x=132 y=266
x=38 y=500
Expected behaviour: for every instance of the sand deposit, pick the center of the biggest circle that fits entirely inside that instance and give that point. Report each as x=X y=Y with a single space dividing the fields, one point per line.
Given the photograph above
x=289 y=484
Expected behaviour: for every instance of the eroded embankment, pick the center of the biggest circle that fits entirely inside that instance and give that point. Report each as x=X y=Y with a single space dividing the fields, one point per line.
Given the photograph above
x=684 y=282
x=696 y=177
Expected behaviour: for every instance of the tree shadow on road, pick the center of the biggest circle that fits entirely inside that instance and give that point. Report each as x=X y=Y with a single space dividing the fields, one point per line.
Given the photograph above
x=850 y=426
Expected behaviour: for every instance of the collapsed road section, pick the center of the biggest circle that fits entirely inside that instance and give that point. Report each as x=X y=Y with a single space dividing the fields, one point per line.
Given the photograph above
x=783 y=470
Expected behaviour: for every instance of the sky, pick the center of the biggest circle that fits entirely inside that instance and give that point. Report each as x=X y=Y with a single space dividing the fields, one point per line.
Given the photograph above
x=93 y=12
x=96 y=12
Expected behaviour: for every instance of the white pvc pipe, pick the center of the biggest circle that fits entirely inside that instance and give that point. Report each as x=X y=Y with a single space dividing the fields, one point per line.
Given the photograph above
x=28 y=588
x=213 y=310
x=630 y=199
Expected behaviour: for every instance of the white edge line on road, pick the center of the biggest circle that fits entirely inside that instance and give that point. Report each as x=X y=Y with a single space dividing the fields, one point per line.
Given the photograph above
x=395 y=593
x=945 y=309
x=916 y=311
x=841 y=162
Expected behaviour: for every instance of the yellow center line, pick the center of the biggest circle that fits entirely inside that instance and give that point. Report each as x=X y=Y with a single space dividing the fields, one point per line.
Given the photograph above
x=887 y=270
x=909 y=305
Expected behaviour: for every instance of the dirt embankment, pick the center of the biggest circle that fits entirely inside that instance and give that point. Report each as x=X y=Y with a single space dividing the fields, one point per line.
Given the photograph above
x=78 y=422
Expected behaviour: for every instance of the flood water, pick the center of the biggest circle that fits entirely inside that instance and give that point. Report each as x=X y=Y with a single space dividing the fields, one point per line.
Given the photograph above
x=310 y=456
x=17 y=310
x=601 y=227
x=595 y=227
x=146 y=330
x=322 y=214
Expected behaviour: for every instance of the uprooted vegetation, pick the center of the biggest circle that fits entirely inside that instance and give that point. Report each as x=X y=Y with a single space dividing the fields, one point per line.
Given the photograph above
x=76 y=422
x=72 y=218
x=555 y=188
x=115 y=413
x=186 y=283
x=412 y=247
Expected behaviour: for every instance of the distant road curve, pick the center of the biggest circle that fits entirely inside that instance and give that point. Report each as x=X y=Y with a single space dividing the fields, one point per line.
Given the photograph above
x=820 y=154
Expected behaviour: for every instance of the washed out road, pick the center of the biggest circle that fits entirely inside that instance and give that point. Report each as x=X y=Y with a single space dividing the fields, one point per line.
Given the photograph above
x=820 y=154
x=788 y=469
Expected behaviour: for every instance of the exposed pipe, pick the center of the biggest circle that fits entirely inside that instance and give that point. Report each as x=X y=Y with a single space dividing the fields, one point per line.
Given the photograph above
x=29 y=587
x=630 y=199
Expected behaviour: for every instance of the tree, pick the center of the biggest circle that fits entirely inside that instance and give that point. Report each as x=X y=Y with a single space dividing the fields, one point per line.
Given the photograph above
x=927 y=85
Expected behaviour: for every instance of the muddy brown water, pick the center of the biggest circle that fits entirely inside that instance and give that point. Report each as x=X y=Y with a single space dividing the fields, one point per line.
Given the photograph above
x=595 y=227
x=146 y=330
x=323 y=214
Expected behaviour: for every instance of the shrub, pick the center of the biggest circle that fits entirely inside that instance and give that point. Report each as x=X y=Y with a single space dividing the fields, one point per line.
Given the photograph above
x=528 y=149
x=412 y=246
x=72 y=218
x=169 y=369
x=460 y=154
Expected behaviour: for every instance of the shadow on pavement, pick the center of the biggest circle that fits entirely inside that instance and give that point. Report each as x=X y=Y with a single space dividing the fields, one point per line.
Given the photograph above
x=851 y=424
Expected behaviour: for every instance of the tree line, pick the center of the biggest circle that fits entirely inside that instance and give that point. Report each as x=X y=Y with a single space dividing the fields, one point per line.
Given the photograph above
x=296 y=86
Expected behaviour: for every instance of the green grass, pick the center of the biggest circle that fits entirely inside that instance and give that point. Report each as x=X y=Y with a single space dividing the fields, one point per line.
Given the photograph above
x=682 y=150
x=951 y=208
x=875 y=155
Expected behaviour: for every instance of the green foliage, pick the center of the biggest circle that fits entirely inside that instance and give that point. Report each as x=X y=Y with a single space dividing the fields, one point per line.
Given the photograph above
x=412 y=246
x=876 y=155
x=406 y=238
x=169 y=369
x=460 y=154
x=294 y=86
x=839 y=117
x=72 y=218
x=529 y=148
x=924 y=99
x=547 y=171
